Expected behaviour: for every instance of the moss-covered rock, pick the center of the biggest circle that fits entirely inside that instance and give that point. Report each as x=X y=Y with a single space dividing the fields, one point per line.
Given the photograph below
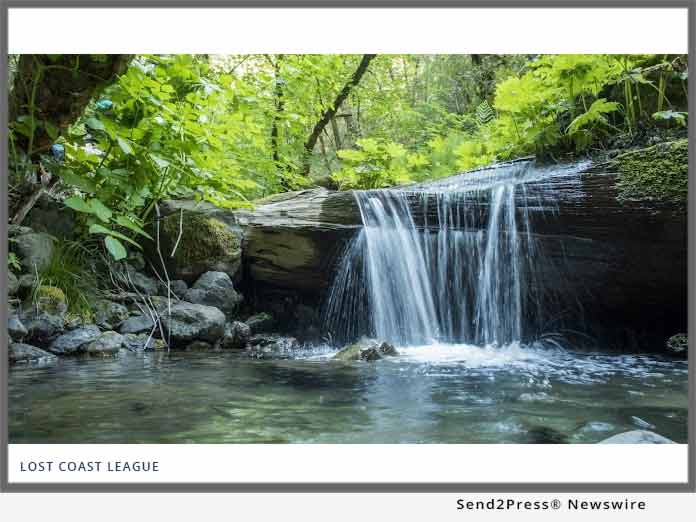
x=659 y=174
x=50 y=300
x=366 y=350
x=206 y=244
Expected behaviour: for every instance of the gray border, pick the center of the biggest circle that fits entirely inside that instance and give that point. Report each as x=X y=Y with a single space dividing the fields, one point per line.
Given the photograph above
x=339 y=487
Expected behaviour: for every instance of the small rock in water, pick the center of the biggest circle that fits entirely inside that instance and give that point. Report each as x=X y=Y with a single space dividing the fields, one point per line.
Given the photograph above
x=141 y=342
x=366 y=350
x=108 y=314
x=26 y=353
x=678 y=344
x=237 y=335
x=637 y=437
x=193 y=322
x=641 y=423
x=264 y=346
x=108 y=343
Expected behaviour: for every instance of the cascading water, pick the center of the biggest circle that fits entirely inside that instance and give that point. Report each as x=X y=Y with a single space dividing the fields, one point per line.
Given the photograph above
x=461 y=268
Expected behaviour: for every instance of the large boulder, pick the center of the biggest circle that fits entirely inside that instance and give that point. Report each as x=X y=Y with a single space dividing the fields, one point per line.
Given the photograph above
x=366 y=350
x=43 y=327
x=190 y=322
x=108 y=343
x=74 y=342
x=637 y=437
x=203 y=241
x=35 y=250
x=215 y=289
x=26 y=353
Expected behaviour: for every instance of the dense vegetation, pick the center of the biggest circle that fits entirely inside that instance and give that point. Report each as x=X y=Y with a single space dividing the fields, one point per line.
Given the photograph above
x=232 y=129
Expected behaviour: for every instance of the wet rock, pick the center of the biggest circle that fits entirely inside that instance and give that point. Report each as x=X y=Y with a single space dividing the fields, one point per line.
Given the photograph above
x=74 y=342
x=269 y=346
x=108 y=314
x=34 y=250
x=136 y=324
x=642 y=423
x=50 y=300
x=190 y=321
x=215 y=289
x=108 y=343
x=43 y=327
x=12 y=284
x=678 y=344
x=178 y=288
x=366 y=350
x=261 y=322
x=15 y=328
x=637 y=437
x=237 y=335
x=142 y=342
x=26 y=353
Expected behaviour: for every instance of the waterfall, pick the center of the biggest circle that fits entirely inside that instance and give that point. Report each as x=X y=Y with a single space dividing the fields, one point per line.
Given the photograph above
x=461 y=268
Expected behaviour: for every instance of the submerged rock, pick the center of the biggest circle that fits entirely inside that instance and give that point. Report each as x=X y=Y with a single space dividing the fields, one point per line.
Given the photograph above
x=366 y=350
x=215 y=289
x=26 y=353
x=261 y=322
x=74 y=342
x=678 y=344
x=190 y=322
x=108 y=343
x=637 y=437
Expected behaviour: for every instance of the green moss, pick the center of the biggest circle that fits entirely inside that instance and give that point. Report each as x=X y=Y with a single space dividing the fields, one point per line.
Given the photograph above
x=204 y=239
x=50 y=299
x=658 y=174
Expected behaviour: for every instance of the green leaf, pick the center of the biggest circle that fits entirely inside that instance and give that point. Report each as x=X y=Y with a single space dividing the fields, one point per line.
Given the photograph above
x=78 y=204
x=80 y=182
x=100 y=229
x=125 y=146
x=101 y=210
x=94 y=123
x=125 y=222
x=115 y=248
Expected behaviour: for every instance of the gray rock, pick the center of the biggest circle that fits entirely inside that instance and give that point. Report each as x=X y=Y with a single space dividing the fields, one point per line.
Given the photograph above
x=177 y=286
x=26 y=353
x=142 y=342
x=366 y=350
x=52 y=217
x=108 y=314
x=12 y=283
x=678 y=344
x=261 y=322
x=215 y=289
x=189 y=322
x=136 y=324
x=74 y=342
x=26 y=283
x=637 y=437
x=17 y=230
x=129 y=277
x=642 y=423
x=108 y=343
x=15 y=328
x=237 y=335
x=34 y=250
x=43 y=327
x=269 y=346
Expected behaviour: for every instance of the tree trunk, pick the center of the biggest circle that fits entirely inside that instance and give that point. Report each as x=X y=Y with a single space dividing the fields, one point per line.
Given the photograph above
x=331 y=111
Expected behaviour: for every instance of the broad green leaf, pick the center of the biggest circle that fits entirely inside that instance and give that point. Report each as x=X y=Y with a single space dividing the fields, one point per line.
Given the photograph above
x=125 y=222
x=100 y=210
x=124 y=145
x=115 y=248
x=100 y=229
x=94 y=123
x=78 y=204
x=81 y=182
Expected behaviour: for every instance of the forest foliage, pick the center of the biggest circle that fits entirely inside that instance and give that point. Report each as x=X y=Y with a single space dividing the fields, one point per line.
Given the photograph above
x=232 y=129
